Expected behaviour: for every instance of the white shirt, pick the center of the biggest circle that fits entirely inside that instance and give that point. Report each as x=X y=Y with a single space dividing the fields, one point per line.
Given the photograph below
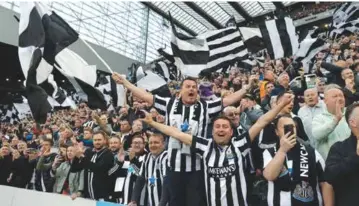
x=307 y=113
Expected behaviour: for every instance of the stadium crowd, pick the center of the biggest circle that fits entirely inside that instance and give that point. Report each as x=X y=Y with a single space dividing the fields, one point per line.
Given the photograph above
x=242 y=137
x=311 y=8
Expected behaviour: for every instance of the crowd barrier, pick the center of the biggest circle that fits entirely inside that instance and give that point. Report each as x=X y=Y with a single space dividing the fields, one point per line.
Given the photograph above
x=11 y=196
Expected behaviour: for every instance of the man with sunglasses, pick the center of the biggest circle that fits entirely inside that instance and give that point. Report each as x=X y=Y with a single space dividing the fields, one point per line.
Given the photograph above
x=232 y=114
x=126 y=169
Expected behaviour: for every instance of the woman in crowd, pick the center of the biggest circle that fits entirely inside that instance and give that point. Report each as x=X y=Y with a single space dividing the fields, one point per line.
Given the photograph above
x=66 y=182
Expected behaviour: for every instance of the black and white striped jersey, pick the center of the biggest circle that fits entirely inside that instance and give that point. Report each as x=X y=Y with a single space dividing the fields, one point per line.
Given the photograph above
x=126 y=173
x=91 y=124
x=278 y=197
x=197 y=116
x=153 y=170
x=224 y=170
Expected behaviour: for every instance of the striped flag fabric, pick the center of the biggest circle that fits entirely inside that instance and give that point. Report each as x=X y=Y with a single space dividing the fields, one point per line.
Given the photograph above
x=252 y=39
x=260 y=58
x=42 y=36
x=279 y=37
x=344 y=13
x=308 y=48
x=135 y=72
x=52 y=89
x=226 y=47
x=46 y=33
x=191 y=54
x=174 y=73
x=114 y=93
x=340 y=29
x=163 y=69
x=154 y=83
x=207 y=52
x=344 y=19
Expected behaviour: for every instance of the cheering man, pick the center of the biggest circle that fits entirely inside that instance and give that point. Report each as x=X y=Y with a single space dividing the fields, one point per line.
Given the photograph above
x=191 y=116
x=96 y=163
x=127 y=168
x=152 y=172
x=223 y=155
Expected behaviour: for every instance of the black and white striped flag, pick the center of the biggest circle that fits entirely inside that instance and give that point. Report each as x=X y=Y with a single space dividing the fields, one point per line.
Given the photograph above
x=42 y=36
x=344 y=13
x=51 y=88
x=345 y=19
x=226 y=47
x=163 y=69
x=174 y=73
x=154 y=83
x=308 y=48
x=252 y=39
x=260 y=57
x=343 y=28
x=135 y=72
x=83 y=77
x=207 y=52
x=191 y=54
x=279 y=37
x=114 y=93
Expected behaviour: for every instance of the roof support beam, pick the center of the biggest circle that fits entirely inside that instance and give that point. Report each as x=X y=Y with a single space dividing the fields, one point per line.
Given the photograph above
x=166 y=16
x=240 y=10
x=278 y=4
x=205 y=15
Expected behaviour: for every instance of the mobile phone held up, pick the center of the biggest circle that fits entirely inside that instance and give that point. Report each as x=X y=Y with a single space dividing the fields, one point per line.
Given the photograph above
x=140 y=114
x=289 y=128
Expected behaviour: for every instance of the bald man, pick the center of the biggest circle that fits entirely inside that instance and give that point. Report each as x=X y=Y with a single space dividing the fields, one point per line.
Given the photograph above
x=313 y=107
x=330 y=126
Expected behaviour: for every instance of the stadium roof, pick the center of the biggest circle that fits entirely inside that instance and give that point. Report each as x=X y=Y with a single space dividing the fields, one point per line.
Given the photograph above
x=199 y=16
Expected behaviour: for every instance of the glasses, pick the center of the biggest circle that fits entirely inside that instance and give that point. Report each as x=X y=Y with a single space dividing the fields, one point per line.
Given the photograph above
x=232 y=114
x=137 y=143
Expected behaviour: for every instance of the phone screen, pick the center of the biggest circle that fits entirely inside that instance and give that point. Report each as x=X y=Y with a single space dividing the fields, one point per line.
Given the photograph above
x=140 y=114
x=289 y=128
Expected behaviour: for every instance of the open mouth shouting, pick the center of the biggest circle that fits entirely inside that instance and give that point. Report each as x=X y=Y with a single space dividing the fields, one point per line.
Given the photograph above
x=191 y=94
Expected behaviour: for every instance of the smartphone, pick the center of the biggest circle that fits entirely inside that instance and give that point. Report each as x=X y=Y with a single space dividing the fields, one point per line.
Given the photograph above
x=140 y=114
x=289 y=128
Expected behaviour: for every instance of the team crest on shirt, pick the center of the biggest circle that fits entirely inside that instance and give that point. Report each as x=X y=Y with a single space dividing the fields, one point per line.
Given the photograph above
x=130 y=169
x=229 y=154
x=303 y=192
x=283 y=172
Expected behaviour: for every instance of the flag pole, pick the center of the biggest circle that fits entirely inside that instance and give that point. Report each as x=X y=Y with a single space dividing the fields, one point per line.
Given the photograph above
x=97 y=55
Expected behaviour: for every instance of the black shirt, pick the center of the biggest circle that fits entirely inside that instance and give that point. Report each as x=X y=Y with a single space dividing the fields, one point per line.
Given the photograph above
x=341 y=171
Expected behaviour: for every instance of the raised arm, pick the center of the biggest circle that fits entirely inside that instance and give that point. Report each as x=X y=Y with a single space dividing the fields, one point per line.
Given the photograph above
x=235 y=97
x=140 y=93
x=269 y=116
x=170 y=131
x=238 y=95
